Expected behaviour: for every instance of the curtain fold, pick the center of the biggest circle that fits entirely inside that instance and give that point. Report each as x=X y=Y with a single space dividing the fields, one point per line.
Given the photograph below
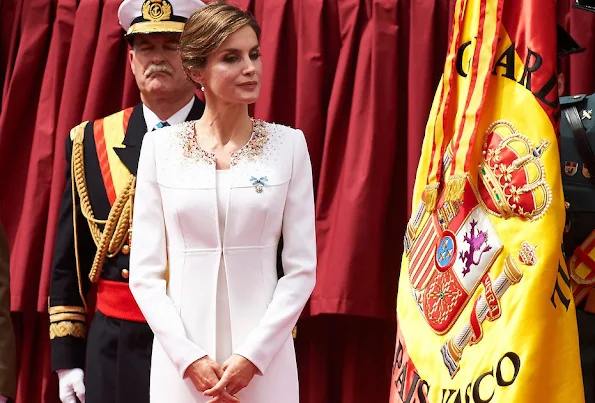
x=357 y=76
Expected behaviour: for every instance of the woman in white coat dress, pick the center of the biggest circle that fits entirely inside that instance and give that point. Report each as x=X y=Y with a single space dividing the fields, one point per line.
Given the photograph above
x=213 y=197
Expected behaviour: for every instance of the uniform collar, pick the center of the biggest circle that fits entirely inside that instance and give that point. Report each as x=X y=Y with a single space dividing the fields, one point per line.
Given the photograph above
x=137 y=127
x=180 y=116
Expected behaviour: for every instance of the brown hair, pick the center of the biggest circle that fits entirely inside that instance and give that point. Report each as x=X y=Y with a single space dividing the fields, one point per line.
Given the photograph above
x=207 y=28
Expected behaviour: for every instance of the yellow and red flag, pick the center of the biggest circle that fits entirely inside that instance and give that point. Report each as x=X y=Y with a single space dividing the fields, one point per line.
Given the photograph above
x=485 y=311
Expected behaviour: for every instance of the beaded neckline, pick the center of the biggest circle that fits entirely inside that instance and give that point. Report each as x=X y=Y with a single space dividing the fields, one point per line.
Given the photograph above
x=249 y=151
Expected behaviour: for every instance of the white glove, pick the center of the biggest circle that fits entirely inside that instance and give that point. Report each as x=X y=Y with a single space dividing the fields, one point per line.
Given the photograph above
x=71 y=385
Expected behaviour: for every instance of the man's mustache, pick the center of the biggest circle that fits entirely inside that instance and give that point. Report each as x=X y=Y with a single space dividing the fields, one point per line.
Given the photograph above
x=157 y=68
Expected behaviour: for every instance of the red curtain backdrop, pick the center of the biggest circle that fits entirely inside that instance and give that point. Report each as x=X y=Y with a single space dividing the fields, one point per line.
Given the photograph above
x=357 y=76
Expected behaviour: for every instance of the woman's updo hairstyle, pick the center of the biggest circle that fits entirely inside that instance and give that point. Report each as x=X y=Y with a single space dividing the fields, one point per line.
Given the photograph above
x=207 y=28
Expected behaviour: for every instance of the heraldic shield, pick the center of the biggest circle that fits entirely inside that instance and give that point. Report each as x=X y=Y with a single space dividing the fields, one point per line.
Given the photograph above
x=451 y=252
x=456 y=247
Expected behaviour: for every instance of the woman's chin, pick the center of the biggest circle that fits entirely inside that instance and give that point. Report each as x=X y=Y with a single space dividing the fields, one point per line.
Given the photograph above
x=245 y=101
x=248 y=97
x=240 y=99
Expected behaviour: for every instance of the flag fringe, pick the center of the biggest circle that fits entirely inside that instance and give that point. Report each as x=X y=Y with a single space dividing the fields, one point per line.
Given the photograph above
x=455 y=186
x=431 y=196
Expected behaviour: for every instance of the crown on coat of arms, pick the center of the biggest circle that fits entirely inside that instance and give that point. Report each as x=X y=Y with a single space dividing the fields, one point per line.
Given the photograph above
x=527 y=254
x=512 y=174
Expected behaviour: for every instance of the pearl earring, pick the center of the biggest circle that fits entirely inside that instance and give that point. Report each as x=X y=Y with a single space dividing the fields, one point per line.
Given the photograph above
x=202 y=88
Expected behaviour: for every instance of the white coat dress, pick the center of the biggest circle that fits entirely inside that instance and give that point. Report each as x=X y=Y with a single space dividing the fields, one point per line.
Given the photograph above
x=177 y=248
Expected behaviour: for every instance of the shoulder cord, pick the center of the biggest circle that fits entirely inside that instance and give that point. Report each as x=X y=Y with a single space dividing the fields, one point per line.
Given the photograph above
x=116 y=227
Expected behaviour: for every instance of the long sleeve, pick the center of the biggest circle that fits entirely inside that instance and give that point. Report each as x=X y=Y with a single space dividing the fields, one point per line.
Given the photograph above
x=148 y=262
x=7 y=343
x=67 y=313
x=299 y=265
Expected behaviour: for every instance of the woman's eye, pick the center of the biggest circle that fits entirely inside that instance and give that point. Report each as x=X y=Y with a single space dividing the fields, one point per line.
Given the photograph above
x=255 y=55
x=231 y=59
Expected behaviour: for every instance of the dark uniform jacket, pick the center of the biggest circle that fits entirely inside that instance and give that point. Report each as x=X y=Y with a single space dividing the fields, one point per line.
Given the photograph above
x=106 y=179
x=577 y=141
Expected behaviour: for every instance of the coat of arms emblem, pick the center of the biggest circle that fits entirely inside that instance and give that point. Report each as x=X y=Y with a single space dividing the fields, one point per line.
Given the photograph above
x=460 y=256
x=452 y=249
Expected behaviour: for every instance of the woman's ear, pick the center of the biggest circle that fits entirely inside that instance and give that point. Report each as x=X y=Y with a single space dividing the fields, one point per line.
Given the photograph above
x=196 y=75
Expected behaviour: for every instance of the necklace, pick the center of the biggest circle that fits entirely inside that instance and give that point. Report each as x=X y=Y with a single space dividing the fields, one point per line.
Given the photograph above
x=249 y=151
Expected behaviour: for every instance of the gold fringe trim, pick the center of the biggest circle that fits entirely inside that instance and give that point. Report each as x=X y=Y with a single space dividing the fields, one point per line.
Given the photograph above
x=64 y=329
x=431 y=196
x=455 y=186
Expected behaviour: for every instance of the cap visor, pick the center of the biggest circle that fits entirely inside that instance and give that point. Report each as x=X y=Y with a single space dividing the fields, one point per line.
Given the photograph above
x=155 y=27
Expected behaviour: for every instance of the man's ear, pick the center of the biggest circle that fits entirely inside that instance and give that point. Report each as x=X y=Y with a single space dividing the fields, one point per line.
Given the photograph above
x=561 y=86
x=130 y=57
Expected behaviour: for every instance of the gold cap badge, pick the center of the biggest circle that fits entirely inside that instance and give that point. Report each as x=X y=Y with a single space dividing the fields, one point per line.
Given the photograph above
x=156 y=10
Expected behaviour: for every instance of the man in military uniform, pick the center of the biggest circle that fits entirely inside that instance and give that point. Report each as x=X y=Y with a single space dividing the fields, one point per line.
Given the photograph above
x=94 y=236
x=579 y=237
x=577 y=159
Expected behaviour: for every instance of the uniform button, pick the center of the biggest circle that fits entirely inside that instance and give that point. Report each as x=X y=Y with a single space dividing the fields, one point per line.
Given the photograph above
x=125 y=273
x=126 y=249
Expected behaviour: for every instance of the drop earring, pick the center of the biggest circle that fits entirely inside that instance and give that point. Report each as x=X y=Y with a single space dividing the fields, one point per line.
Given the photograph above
x=202 y=88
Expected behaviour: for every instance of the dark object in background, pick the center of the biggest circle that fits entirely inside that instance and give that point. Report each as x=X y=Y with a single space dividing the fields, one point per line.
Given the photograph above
x=566 y=43
x=588 y=5
x=7 y=342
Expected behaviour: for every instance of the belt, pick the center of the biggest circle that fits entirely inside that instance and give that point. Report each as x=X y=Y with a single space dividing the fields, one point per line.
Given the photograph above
x=114 y=299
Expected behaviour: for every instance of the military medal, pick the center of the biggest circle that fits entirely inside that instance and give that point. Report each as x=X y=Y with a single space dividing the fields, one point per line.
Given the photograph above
x=570 y=168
